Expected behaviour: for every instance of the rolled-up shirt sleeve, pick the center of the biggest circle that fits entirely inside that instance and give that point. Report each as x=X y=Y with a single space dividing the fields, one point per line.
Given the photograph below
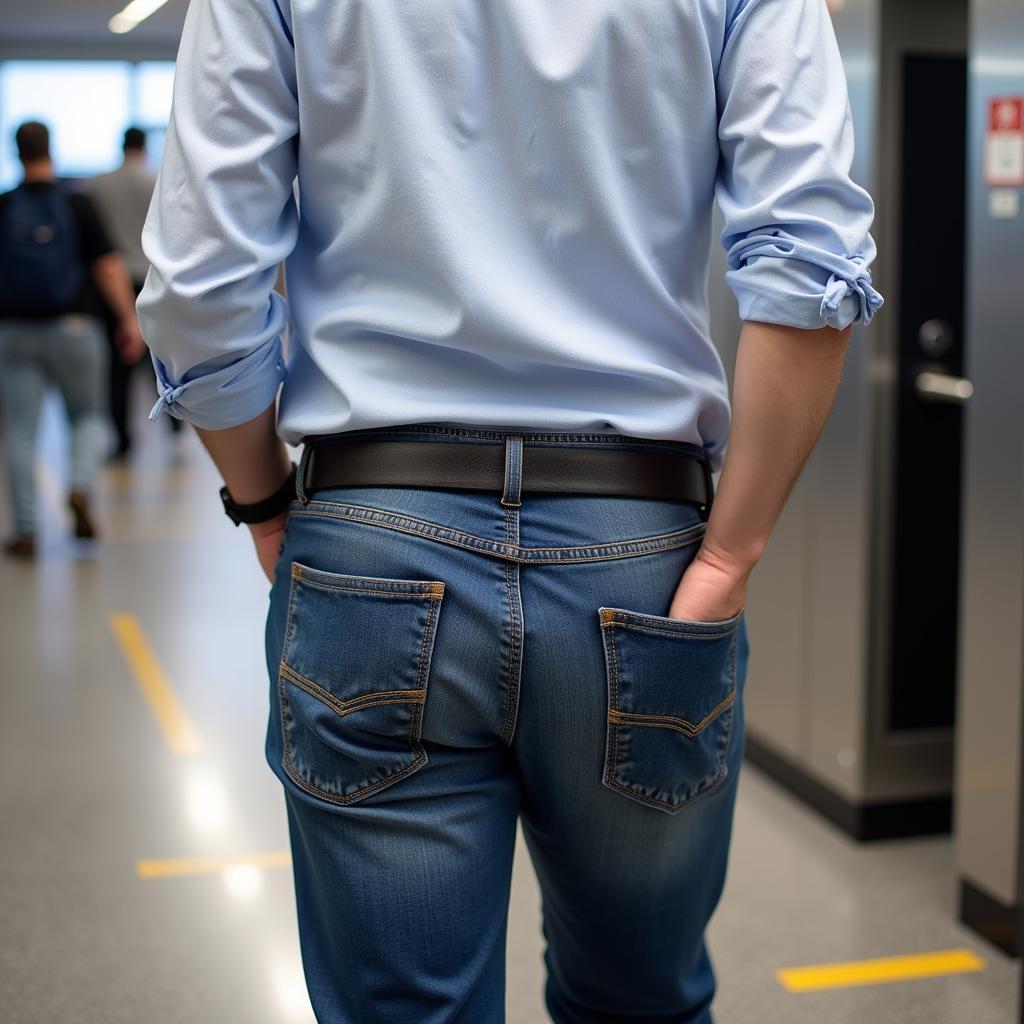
x=223 y=216
x=796 y=233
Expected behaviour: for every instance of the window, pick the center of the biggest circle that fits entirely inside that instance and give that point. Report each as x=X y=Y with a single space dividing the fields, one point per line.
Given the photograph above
x=87 y=106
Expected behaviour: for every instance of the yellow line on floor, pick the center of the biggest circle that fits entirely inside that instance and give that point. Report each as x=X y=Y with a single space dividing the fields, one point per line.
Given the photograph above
x=177 y=867
x=180 y=735
x=880 y=971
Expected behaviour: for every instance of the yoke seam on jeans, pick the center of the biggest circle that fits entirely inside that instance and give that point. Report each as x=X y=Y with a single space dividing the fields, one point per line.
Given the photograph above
x=608 y=551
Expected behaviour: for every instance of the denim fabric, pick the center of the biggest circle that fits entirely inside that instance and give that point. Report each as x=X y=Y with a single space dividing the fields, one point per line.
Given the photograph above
x=68 y=352
x=442 y=665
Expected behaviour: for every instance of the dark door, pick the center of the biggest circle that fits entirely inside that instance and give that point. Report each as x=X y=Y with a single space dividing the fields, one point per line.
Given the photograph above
x=924 y=581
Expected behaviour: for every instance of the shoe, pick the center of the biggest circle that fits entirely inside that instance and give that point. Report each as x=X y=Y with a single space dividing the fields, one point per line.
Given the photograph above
x=22 y=546
x=78 y=502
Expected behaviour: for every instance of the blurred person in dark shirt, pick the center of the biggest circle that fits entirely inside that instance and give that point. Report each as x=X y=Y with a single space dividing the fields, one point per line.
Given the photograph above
x=54 y=257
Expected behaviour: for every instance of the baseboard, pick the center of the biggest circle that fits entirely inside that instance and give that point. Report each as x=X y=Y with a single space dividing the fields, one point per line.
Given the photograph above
x=865 y=822
x=991 y=918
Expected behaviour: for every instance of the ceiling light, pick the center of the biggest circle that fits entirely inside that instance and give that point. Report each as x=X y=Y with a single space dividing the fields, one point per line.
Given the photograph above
x=136 y=11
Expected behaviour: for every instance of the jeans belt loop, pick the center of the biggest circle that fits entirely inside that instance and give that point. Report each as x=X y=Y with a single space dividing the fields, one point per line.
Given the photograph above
x=512 y=496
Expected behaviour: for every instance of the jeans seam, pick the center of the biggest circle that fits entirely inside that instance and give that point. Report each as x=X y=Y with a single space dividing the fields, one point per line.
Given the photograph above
x=511 y=709
x=457 y=538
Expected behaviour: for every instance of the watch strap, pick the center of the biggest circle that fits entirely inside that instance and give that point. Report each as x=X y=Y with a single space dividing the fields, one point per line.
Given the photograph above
x=260 y=511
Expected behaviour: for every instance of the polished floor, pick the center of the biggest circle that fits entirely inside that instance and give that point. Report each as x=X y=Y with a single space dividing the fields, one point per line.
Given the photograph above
x=143 y=866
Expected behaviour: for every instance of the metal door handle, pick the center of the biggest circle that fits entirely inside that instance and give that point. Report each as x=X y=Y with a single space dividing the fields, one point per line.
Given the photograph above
x=943 y=387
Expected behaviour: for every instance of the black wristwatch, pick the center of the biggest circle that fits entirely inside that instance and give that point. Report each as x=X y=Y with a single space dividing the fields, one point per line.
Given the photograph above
x=260 y=511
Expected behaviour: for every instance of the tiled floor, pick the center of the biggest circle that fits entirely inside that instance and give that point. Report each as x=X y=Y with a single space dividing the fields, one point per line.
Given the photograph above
x=89 y=788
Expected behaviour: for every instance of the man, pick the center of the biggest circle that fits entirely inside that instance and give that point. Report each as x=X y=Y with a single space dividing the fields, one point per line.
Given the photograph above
x=122 y=198
x=53 y=254
x=501 y=590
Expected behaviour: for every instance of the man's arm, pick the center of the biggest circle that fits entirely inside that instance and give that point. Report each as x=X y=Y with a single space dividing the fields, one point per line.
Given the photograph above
x=254 y=463
x=784 y=385
x=798 y=250
x=111 y=277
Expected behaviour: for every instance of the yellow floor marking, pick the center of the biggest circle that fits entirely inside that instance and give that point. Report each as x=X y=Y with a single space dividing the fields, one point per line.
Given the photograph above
x=177 y=867
x=178 y=731
x=880 y=971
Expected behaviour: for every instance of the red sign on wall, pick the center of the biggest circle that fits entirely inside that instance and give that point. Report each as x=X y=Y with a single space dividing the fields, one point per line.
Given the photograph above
x=1004 y=142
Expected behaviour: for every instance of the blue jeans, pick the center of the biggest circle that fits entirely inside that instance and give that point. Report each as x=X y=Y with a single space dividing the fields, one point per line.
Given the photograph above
x=443 y=665
x=66 y=352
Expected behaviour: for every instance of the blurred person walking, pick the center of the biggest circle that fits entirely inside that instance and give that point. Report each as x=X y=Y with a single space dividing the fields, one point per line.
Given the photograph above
x=122 y=197
x=54 y=253
x=503 y=586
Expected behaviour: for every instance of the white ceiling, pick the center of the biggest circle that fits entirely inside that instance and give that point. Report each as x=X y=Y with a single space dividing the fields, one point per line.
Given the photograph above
x=63 y=22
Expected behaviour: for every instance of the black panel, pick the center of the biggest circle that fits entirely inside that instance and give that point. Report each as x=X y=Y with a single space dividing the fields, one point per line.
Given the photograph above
x=923 y=631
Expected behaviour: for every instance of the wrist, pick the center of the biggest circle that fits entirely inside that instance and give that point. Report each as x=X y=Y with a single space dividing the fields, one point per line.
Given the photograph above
x=268 y=526
x=734 y=560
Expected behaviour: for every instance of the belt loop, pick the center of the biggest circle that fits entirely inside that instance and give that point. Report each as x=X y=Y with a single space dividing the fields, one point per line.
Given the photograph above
x=300 y=476
x=513 y=492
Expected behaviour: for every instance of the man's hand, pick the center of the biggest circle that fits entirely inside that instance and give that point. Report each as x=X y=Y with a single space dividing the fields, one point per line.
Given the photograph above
x=130 y=346
x=712 y=588
x=268 y=538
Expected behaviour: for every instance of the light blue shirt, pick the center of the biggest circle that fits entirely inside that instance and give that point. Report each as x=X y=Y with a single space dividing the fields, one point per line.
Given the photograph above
x=494 y=212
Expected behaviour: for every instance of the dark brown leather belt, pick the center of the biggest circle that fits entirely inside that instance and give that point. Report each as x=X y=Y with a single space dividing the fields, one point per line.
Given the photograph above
x=666 y=475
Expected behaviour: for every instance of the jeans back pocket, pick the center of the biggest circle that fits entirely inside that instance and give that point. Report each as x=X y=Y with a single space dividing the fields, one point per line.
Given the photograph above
x=353 y=680
x=671 y=691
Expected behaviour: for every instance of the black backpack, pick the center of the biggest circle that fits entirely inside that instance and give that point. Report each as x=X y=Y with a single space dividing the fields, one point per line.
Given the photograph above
x=40 y=267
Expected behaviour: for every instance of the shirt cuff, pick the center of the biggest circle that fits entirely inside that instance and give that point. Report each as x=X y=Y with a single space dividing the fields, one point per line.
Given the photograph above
x=226 y=397
x=787 y=281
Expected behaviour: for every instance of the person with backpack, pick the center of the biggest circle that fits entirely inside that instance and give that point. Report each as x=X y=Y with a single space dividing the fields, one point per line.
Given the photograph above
x=54 y=254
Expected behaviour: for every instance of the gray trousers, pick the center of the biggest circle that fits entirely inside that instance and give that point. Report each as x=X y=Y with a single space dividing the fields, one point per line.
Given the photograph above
x=68 y=352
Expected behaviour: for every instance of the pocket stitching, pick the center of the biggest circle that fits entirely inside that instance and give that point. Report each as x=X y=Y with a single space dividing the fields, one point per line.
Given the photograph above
x=613 y=740
x=613 y=617
x=420 y=756
x=347 y=707
x=337 y=798
x=672 y=721
x=432 y=589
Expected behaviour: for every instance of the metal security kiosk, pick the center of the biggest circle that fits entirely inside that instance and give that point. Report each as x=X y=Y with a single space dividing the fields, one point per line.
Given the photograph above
x=853 y=612
x=990 y=717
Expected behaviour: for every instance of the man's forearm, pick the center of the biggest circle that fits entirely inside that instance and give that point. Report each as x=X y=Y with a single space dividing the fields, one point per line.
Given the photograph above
x=111 y=277
x=251 y=458
x=783 y=388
